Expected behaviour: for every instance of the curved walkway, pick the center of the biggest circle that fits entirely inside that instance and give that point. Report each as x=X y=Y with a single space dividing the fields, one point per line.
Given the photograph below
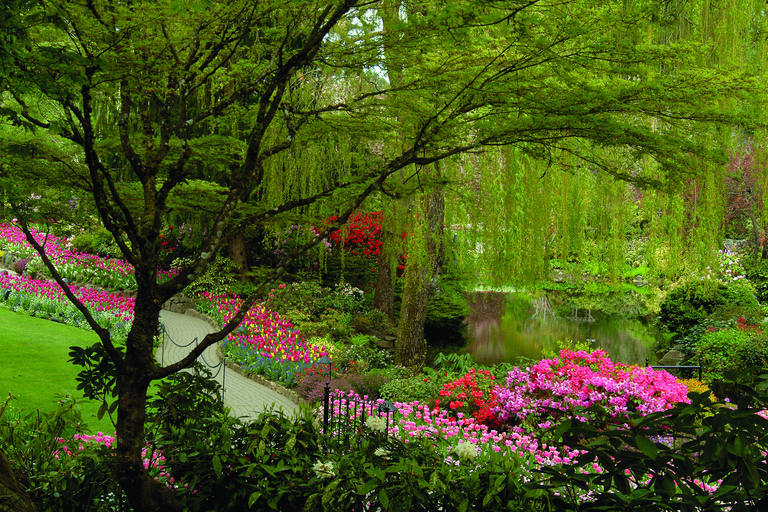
x=243 y=396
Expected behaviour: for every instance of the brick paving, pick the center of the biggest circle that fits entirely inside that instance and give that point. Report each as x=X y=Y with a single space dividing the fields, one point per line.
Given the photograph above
x=243 y=396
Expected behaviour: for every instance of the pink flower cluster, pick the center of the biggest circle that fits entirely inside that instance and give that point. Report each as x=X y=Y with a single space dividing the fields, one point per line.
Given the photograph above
x=584 y=379
x=264 y=332
x=152 y=458
x=414 y=420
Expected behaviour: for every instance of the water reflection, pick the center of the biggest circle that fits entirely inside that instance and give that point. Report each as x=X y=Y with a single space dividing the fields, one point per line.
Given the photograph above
x=504 y=327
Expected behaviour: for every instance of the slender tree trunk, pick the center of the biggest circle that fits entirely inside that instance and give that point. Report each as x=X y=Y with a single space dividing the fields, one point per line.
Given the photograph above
x=421 y=276
x=13 y=498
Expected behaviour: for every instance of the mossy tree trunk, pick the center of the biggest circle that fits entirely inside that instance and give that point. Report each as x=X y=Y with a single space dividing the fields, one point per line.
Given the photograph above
x=421 y=276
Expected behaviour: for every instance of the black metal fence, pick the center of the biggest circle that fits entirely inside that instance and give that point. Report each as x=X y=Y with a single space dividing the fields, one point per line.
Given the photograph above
x=346 y=417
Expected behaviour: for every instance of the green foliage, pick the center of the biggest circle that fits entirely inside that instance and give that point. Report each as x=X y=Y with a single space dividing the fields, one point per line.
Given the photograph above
x=35 y=444
x=753 y=352
x=423 y=387
x=758 y=276
x=370 y=357
x=98 y=378
x=691 y=302
x=371 y=319
x=662 y=461
x=345 y=298
x=184 y=395
x=218 y=279
x=364 y=340
x=717 y=351
x=84 y=242
x=305 y=296
x=446 y=315
x=226 y=464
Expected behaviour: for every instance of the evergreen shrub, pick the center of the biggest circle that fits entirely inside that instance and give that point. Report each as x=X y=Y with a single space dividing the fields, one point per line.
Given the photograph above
x=693 y=301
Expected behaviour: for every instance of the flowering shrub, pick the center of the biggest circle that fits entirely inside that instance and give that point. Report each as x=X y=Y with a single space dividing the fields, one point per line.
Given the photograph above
x=361 y=234
x=550 y=390
x=473 y=394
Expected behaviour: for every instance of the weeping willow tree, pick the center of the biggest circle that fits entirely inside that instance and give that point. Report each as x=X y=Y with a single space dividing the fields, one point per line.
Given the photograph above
x=522 y=210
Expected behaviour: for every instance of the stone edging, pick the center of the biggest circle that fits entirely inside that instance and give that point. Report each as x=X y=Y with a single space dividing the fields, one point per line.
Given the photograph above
x=259 y=379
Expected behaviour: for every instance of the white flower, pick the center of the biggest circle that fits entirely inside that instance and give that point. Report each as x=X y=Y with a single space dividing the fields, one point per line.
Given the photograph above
x=465 y=450
x=324 y=470
x=381 y=452
x=376 y=423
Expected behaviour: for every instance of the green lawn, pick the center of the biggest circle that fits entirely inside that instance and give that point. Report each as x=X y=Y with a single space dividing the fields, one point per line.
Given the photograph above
x=33 y=355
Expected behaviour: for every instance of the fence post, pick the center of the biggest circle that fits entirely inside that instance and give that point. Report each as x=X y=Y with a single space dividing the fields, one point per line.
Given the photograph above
x=326 y=402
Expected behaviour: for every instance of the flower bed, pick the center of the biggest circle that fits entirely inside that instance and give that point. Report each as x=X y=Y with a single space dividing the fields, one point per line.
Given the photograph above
x=264 y=343
x=46 y=298
x=109 y=273
x=550 y=390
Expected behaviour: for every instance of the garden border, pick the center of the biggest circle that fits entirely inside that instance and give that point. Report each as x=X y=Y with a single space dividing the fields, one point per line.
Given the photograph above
x=259 y=379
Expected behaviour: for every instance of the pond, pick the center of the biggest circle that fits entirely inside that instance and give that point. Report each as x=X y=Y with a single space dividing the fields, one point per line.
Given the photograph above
x=506 y=326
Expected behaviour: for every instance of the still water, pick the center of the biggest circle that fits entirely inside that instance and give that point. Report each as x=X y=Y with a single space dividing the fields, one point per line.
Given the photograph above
x=505 y=326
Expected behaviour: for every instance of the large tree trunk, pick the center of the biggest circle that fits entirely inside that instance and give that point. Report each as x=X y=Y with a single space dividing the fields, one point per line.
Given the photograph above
x=13 y=498
x=143 y=492
x=421 y=276
x=237 y=252
x=391 y=249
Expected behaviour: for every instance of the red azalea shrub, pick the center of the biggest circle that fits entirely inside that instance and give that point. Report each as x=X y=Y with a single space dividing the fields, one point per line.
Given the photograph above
x=473 y=394
x=362 y=234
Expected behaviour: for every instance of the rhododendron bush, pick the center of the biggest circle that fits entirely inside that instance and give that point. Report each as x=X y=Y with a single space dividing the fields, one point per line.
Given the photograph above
x=552 y=389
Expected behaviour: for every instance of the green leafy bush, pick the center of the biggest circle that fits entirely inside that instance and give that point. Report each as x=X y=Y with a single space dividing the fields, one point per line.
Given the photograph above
x=693 y=301
x=218 y=279
x=447 y=312
x=717 y=350
x=303 y=296
x=667 y=460
x=424 y=388
x=84 y=242
x=370 y=357
x=758 y=276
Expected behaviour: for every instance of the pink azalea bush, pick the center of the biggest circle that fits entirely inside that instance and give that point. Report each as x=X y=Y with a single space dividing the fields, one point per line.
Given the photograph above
x=551 y=389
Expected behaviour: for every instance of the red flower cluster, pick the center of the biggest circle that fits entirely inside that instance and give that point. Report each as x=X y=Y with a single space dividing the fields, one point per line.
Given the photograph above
x=472 y=394
x=362 y=234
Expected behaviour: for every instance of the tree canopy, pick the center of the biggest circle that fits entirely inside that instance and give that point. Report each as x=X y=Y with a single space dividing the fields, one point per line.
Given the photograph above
x=284 y=108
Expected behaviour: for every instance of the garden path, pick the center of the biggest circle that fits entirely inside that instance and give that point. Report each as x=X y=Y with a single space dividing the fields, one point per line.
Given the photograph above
x=243 y=396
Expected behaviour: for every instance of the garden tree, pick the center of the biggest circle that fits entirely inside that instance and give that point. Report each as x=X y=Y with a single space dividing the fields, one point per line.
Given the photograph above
x=553 y=80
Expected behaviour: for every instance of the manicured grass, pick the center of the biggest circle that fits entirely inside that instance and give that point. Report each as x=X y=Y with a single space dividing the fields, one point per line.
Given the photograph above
x=33 y=358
